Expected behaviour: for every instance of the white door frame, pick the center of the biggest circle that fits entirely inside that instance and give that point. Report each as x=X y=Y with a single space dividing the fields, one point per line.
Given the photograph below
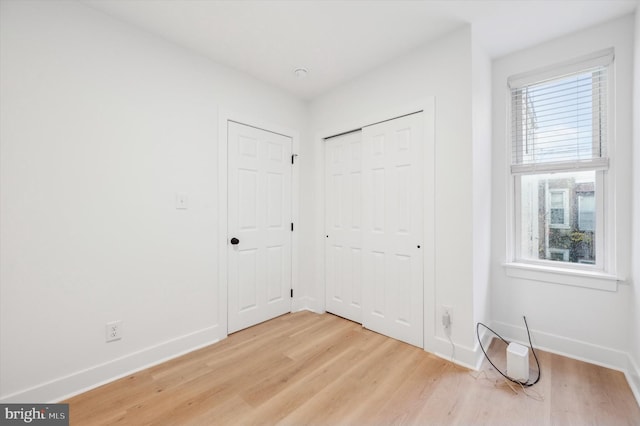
x=224 y=116
x=427 y=106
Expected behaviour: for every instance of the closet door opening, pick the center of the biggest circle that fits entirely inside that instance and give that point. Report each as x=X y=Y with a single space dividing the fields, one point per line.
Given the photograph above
x=374 y=227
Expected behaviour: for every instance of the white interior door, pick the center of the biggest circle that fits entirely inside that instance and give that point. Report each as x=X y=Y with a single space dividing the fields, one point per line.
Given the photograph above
x=343 y=225
x=259 y=225
x=393 y=228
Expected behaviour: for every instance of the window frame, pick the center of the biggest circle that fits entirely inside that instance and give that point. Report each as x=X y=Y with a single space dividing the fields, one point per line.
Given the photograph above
x=601 y=275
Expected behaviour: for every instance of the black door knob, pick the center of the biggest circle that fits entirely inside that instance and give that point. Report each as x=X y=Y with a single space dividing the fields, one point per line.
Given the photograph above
x=235 y=241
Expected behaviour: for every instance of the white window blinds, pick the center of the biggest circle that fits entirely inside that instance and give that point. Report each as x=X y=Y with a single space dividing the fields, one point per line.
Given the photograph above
x=560 y=123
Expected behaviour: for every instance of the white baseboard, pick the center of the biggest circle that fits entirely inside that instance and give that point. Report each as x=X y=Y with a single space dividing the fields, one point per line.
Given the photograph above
x=571 y=348
x=576 y=349
x=469 y=357
x=633 y=377
x=90 y=378
x=462 y=355
x=312 y=304
x=486 y=337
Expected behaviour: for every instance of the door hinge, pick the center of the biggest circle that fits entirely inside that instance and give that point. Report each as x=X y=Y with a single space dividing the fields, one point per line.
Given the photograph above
x=291 y=226
x=291 y=292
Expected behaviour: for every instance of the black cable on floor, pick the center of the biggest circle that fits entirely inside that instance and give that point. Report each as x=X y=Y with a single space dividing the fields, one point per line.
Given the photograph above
x=526 y=384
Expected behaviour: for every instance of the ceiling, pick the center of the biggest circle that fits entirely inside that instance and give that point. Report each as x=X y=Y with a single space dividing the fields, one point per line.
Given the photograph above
x=338 y=40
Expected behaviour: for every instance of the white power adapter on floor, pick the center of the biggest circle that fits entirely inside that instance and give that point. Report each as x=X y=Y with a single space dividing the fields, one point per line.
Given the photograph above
x=518 y=362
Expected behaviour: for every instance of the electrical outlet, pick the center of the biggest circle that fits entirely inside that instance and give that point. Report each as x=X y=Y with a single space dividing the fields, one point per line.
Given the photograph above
x=447 y=318
x=113 y=331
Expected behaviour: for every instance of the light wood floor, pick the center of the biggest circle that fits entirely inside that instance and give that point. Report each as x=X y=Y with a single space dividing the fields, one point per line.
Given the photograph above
x=305 y=368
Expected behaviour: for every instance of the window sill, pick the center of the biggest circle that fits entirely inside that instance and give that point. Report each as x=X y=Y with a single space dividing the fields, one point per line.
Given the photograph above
x=572 y=277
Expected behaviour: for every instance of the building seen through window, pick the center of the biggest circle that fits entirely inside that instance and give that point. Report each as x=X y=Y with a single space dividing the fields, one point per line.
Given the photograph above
x=559 y=217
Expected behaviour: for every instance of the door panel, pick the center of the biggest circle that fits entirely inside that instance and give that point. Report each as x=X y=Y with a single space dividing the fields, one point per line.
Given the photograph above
x=343 y=225
x=259 y=216
x=393 y=228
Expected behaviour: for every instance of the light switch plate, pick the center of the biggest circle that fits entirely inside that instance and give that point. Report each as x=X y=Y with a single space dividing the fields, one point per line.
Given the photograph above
x=182 y=201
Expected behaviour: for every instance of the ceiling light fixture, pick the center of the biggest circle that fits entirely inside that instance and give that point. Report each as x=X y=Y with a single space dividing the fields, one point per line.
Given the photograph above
x=301 y=72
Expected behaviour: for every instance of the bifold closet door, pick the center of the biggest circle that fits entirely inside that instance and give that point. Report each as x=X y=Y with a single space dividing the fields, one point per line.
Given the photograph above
x=259 y=225
x=343 y=225
x=392 y=228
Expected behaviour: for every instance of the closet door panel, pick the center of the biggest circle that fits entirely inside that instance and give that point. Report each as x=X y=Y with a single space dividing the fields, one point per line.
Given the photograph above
x=392 y=297
x=343 y=225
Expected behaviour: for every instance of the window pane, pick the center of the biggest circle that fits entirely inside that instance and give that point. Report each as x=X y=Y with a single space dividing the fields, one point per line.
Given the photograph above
x=558 y=217
x=561 y=120
x=557 y=200
x=586 y=211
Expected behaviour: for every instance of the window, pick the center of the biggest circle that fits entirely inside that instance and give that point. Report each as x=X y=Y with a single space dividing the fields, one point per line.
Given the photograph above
x=559 y=254
x=558 y=212
x=559 y=162
x=586 y=211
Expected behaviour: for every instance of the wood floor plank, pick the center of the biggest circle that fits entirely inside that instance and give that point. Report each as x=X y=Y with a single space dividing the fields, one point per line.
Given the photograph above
x=582 y=389
x=405 y=402
x=305 y=368
x=305 y=363
x=330 y=404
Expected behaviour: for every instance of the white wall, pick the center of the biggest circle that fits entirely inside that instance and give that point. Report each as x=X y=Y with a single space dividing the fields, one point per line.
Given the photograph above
x=102 y=124
x=441 y=69
x=583 y=323
x=634 y=330
x=481 y=189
